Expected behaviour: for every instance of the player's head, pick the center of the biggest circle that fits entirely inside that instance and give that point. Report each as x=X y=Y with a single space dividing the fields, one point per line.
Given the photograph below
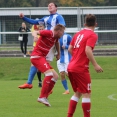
x=90 y=20
x=41 y=27
x=23 y=24
x=52 y=7
x=58 y=30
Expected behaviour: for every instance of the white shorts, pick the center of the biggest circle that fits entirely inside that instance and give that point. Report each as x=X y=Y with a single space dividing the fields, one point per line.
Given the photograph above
x=62 y=66
x=50 y=55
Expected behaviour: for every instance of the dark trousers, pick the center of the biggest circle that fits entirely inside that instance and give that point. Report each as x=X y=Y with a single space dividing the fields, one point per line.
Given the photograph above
x=23 y=46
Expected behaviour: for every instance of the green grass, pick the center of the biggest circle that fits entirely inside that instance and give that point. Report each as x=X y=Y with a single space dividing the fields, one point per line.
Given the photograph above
x=106 y=47
x=16 y=102
x=11 y=48
x=18 y=68
x=17 y=47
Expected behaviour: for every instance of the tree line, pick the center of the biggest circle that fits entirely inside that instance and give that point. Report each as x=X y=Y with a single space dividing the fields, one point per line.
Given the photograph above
x=60 y=3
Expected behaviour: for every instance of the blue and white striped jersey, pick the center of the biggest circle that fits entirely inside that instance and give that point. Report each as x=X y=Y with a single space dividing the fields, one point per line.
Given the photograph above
x=49 y=21
x=65 y=56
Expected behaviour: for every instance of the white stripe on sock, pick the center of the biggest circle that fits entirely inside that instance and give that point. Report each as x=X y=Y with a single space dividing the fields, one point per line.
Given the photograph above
x=54 y=80
x=49 y=74
x=75 y=98
x=86 y=100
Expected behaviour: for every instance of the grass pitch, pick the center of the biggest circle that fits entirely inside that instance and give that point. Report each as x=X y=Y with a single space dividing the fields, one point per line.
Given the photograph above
x=15 y=102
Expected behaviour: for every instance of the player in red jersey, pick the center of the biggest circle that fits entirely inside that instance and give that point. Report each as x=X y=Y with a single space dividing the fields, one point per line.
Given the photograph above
x=81 y=48
x=38 y=58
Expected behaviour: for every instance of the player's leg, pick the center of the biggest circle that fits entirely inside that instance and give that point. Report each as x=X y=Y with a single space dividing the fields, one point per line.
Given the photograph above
x=43 y=66
x=32 y=72
x=39 y=78
x=39 y=73
x=21 y=47
x=25 y=47
x=86 y=101
x=61 y=68
x=73 y=103
x=64 y=82
x=74 y=99
x=86 y=104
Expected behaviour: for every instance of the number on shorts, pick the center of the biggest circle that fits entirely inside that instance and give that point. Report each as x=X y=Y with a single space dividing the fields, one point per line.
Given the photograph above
x=89 y=86
x=46 y=65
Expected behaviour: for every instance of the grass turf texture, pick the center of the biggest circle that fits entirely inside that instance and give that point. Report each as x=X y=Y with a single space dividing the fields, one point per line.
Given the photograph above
x=18 y=68
x=15 y=102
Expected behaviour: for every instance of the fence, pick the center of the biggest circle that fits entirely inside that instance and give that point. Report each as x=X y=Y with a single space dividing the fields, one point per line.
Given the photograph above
x=74 y=18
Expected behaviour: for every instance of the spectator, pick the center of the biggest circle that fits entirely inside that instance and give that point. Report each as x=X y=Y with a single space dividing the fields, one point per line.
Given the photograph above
x=24 y=41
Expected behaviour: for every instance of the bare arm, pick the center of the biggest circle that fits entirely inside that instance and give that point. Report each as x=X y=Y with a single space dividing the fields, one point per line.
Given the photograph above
x=90 y=56
x=35 y=35
x=70 y=49
x=57 y=45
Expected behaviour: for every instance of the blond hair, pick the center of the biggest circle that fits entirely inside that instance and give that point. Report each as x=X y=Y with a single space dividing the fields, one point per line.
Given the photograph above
x=59 y=27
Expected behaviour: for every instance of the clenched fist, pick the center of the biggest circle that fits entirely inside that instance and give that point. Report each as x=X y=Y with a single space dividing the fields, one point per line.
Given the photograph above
x=21 y=15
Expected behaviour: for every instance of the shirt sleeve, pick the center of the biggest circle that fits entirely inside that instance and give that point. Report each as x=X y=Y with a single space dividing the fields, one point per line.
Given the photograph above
x=60 y=20
x=46 y=33
x=92 y=40
x=33 y=21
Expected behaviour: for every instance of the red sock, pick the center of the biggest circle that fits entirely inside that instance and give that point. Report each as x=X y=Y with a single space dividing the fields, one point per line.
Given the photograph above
x=45 y=86
x=52 y=83
x=86 y=105
x=72 y=107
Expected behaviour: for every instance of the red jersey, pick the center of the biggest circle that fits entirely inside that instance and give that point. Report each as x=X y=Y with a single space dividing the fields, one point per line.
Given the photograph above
x=44 y=43
x=79 y=61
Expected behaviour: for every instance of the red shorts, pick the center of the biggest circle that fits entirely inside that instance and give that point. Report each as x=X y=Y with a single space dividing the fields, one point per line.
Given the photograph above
x=41 y=64
x=80 y=82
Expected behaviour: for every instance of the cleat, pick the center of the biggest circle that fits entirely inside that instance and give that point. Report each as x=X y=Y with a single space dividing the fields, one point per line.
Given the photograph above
x=26 y=86
x=40 y=84
x=66 y=92
x=44 y=101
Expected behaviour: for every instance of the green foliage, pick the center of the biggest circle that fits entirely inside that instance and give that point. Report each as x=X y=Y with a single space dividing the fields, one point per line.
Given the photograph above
x=63 y=3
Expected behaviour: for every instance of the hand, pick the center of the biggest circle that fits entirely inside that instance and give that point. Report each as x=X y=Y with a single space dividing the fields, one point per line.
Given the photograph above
x=98 y=69
x=63 y=46
x=23 y=30
x=35 y=39
x=21 y=15
x=57 y=57
x=34 y=33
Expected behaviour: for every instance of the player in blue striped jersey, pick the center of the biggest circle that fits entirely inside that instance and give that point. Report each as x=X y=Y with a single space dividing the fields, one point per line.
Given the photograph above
x=50 y=22
x=65 y=57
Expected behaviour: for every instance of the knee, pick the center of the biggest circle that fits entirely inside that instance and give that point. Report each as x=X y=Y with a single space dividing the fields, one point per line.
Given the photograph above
x=62 y=74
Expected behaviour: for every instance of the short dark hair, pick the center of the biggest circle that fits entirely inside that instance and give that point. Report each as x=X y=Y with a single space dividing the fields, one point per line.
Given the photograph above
x=55 y=4
x=90 y=20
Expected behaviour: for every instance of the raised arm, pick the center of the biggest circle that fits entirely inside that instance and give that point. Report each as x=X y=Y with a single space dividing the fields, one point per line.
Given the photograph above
x=29 y=20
